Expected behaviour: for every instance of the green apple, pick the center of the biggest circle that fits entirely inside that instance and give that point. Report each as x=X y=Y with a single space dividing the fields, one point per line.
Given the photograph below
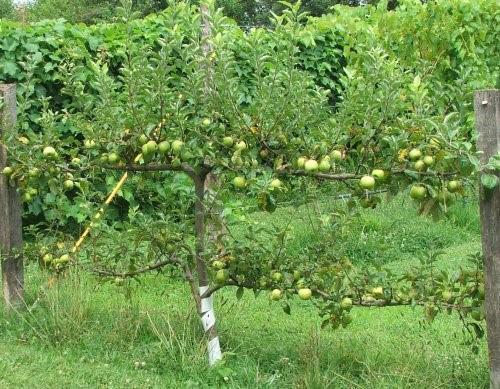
x=49 y=152
x=152 y=146
x=264 y=153
x=301 y=161
x=143 y=139
x=418 y=192
x=311 y=166
x=420 y=166
x=276 y=294
x=378 y=292
x=27 y=197
x=296 y=275
x=336 y=155
x=367 y=182
x=176 y=162
x=454 y=186
x=435 y=142
x=241 y=146
x=275 y=184
x=239 y=182
x=164 y=147
x=305 y=293
x=481 y=291
x=228 y=141
x=277 y=276
x=206 y=122
x=218 y=265
x=76 y=161
x=34 y=172
x=237 y=160
x=7 y=171
x=47 y=258
x=63 y=259
x=222 y=276
x=68 y=184
x=113 y=158
x=89 y=143
x=415 y=154
x=346 y=303
x=446 y=295
x=444 y=196
x=379 y=174
x=429 y=160
x=177 y=146
x=324 y=165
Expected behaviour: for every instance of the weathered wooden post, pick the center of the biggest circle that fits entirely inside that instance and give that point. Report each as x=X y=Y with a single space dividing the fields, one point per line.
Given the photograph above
x=10 y=211
x=487 y=108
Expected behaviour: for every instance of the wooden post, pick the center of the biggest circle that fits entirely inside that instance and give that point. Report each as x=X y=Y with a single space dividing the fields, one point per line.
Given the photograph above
x=487 y=108
x=11 y=240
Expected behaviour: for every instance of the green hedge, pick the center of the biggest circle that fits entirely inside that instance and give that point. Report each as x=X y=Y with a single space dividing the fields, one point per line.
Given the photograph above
x=459 y=37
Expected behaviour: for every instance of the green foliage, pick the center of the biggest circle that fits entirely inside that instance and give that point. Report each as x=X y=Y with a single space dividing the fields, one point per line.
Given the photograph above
x=74 y=11
x=248 y=13
x=246 y=107
x=7 y=10
x=158 y=326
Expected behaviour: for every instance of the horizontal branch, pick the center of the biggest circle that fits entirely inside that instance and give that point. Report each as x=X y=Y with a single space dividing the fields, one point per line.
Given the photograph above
x=375 y=303
x=157 y=167
x=155 y=266
x=352 y=176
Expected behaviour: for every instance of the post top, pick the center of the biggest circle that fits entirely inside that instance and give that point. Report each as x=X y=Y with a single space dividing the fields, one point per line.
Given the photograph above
x=486 y=90
x=6 y=87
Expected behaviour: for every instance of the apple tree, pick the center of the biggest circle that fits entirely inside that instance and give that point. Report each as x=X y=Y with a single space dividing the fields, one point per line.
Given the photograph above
x=203 y=119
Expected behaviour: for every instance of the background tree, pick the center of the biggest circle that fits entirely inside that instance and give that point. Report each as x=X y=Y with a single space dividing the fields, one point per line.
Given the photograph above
x=246 y=12
x=7 y=9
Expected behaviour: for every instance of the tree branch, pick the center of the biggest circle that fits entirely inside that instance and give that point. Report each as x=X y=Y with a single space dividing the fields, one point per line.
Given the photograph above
x=327 y=296
x=353 y=176
x=161 y=167
x=155 y=266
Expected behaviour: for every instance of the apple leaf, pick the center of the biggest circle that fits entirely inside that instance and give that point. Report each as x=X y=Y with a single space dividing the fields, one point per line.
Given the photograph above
x=286 y=308
x=489 y=181
x=239 y=292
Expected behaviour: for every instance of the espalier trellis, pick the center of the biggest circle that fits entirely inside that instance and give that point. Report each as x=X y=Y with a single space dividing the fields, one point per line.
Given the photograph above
x=244 y=111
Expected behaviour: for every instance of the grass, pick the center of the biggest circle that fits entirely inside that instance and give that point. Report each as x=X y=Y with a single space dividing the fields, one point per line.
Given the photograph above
x=83 y=334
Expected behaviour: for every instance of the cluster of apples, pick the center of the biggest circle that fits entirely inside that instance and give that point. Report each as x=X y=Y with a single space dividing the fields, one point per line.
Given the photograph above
x=311 y=165
x=420 y=162
x=368 y=182
x=150 y=148
x=51 y=155
x=51 y=260
x=302 y=290
x=418 y=191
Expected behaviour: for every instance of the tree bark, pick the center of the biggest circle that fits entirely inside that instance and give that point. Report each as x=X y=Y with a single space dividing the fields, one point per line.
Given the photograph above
x=487 y=108
x=11 y=238
x=206 y=309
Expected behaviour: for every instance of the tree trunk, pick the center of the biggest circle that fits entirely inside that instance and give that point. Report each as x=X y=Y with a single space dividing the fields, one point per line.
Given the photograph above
x=206 y=309
x=487 y=107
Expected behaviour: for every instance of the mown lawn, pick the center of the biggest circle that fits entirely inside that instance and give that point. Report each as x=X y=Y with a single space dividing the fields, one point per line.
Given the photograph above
x=82 y=334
